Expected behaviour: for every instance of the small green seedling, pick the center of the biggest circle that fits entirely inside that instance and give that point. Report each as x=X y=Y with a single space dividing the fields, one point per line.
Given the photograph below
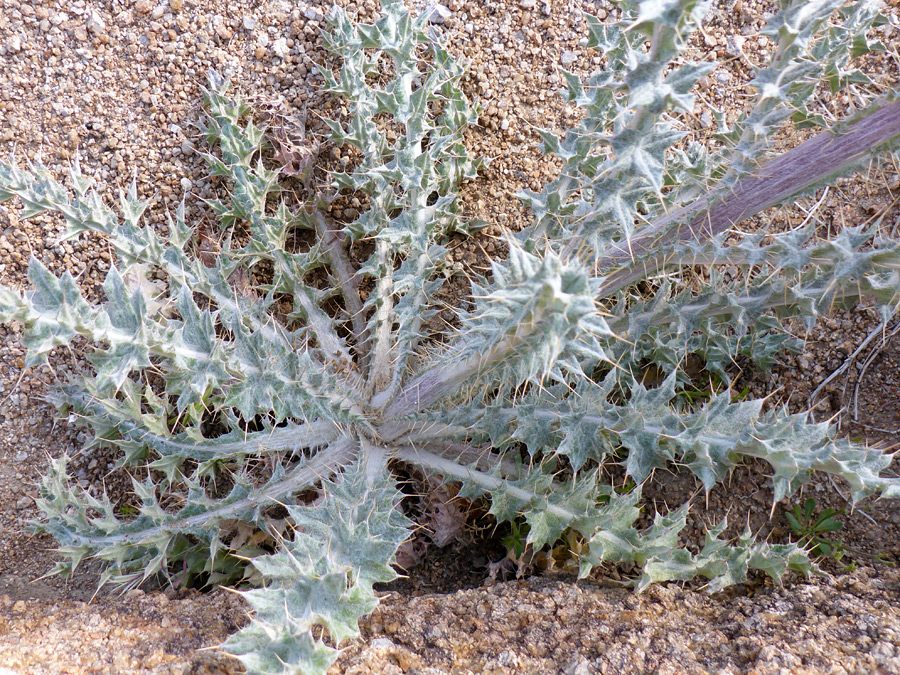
x=811 y=528
x=517 y=539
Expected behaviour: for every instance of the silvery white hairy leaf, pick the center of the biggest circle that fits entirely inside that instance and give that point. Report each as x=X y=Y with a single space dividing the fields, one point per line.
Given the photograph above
x=263 y=395
x=323 y=576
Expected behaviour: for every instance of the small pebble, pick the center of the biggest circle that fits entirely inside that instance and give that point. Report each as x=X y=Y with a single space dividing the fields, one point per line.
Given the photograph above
x=223 y=31
x=95 y=22
x=568 y=58
x=382 y=643
x=440 y=14
x=280 y=48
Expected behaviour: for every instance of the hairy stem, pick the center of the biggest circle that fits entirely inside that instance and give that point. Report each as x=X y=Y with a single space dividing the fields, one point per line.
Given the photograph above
x=380 y=365
x=439 y=381
x=282 y=439
x=329 y=234
x=322 y=464
x=449 y=467
x=811 y=163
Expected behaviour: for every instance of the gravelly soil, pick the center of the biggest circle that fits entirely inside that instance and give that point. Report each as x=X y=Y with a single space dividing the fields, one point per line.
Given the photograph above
x=119 y=82
x=539 y=625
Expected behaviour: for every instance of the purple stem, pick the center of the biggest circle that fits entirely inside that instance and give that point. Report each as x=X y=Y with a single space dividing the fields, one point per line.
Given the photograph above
x=811 y=163
x=330 y=234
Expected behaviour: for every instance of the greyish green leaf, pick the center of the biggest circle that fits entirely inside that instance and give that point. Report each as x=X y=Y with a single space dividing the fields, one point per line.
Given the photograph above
x=269 y=373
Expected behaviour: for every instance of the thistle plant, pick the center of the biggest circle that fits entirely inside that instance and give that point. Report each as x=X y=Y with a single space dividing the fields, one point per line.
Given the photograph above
x=264 y=396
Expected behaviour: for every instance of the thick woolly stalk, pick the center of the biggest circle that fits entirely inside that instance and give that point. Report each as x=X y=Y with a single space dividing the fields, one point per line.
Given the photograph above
x=811 y=164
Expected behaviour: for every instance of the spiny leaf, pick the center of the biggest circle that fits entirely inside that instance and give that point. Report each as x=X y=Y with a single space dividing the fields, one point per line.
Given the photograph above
x=257 y=362
x=323 y=576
